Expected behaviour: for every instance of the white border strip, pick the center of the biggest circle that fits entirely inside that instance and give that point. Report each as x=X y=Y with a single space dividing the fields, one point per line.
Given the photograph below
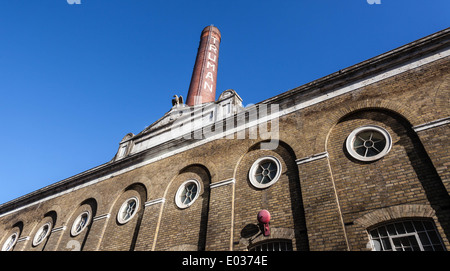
x=101 y=217
x=431 y=124
x=224 y=182
x=311 y=158
x=62 y=228
x=155 y=201
x=25 y=238
x=337 y=92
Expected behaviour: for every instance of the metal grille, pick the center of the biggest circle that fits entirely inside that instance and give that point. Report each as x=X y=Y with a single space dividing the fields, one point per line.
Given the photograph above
x=273 y=245
x=407 y=235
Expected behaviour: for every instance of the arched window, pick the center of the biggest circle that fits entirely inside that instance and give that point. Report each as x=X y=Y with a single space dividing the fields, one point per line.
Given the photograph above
x=272 y=245
x=406 y=235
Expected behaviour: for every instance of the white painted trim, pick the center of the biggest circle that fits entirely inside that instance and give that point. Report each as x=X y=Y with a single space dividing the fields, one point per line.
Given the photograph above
x=312 y=158
x=125 y=205
x=38 y=233
x=337 y=92
x=180 y=190
x=73 y=229
x=257 y=164
x=221 y=183
x=62 y=228
x=369 y=81
x=352 y=136
x=25 y=238
x=155 y=201
x=101 y=217
x=432 y=124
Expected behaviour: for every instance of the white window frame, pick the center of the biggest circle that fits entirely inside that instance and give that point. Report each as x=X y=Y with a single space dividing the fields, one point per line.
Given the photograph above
x=377 y=246
x=120 y=218
x=180 y=190
x=256 y=164
x=74 y=231
x=38 y=237
x=8 y=245
x=352 y=136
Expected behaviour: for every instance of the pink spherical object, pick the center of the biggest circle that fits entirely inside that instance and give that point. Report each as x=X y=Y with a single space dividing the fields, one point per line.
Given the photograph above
x=263 y=216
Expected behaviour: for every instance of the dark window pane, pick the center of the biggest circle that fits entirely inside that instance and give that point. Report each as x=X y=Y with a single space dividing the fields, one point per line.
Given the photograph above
x=424 y=238
x=418 y=225
x=433 y=237
x=427 y=248
x=382 y=231
x=428 y=225
x=371 y=152
x=397 y=244
x=438 y=248
x=374 y=233
x=380 y=145
x=413 y=241
x=386 y=244
x=391 y=229
x=399 y=227
x=409 y=226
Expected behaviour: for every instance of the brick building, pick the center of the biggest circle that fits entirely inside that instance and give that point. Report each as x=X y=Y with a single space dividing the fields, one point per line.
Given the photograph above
x=356 y=160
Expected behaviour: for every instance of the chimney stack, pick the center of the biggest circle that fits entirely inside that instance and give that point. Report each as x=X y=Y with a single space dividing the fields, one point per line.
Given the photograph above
x=204 y=76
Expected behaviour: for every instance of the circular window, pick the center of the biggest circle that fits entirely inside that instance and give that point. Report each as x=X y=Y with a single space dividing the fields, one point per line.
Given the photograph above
x=368 y=143
x=80 y=223
x=187 y=193
x=128 y=210
x=265 y=172
x=42 y=233
x=10 y=242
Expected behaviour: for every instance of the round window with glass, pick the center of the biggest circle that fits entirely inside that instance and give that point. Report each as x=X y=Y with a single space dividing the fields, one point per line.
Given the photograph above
x=265 y=172
x=128 y=209
x=368 y=143
x=42 y=233
x=10 y=242
x=80 y=223
x=187 y=193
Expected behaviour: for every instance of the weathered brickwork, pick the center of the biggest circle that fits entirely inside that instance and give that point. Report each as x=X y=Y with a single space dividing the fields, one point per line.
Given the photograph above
x=324 y=198
x=404 y=176
x=283 y=198
x=323 y=220
x=434 y=141
x=220 y=218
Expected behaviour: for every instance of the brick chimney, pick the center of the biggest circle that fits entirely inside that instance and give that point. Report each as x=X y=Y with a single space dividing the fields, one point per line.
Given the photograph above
x=204 y=76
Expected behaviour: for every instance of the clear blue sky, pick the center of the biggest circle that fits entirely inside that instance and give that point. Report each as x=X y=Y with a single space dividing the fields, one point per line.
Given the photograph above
x=74 y=79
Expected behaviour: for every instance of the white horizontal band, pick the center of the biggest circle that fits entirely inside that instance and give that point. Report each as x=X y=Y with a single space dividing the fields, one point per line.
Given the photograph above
x=155 y=201
x=224 y=182
x=101 y=217
x=59 y=229
x=431 y=124
x=311 y=158
x=25 y=238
